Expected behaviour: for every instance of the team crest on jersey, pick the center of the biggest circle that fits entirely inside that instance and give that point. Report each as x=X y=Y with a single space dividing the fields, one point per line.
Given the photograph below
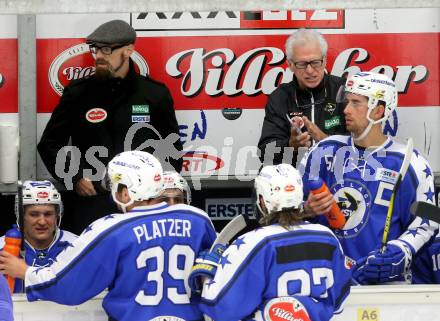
x=354 y=200
x=285 y=308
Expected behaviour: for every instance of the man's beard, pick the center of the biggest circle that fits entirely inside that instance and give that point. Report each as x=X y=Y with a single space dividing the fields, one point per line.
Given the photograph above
x=106 y=72
x=103 y=72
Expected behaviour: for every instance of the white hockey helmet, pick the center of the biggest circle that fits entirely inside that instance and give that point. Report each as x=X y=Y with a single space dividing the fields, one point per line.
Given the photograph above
x=376 y=87
x=172 y=179
x=280 y=186
x=140 y=172
x=40 y=193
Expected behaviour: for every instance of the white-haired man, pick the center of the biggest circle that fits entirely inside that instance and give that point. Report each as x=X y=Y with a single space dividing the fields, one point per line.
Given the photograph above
x=143 y=257
x=305 y=109
x=42 y=213
x=287 y=267
x=361 y=171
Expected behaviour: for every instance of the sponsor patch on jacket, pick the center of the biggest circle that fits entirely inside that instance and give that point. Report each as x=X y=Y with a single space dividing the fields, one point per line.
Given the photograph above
x=386 y=175
x=330 y=108
x=140 y=118
x=140 y=109
x=96 y=115
x=332 y=122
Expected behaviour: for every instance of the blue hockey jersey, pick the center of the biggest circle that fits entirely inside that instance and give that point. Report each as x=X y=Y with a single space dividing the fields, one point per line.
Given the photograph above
x=426 y=264
x=305 y=261
x=143 y=257
x=361 y=182
x=5 y=301
x=45 y=257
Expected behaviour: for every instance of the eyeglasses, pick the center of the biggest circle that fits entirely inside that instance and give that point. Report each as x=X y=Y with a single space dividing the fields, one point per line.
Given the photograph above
x=106 y=50
x=303 y=64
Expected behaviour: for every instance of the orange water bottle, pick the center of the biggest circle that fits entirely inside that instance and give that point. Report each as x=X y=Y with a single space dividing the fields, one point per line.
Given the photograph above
x=335 y=217
x=12 y=246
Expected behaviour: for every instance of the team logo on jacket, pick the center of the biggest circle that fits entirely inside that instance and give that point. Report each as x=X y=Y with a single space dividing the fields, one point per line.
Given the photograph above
x=285 y=308
x=354 y=200
x=96 y=115
x=330 y=108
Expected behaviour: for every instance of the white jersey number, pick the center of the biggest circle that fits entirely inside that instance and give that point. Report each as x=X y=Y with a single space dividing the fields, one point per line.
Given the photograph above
x=318 y=276
x=174 y=272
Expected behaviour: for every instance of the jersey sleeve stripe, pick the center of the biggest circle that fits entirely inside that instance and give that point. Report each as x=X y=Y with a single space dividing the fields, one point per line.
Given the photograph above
x=305 y=252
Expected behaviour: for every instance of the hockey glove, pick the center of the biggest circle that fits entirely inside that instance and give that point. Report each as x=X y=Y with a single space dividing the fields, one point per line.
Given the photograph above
x=390 y=266
x=359 y=277
x=205 y=266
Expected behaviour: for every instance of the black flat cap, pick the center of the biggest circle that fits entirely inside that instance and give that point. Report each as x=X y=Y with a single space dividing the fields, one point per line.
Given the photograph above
x=112 y=32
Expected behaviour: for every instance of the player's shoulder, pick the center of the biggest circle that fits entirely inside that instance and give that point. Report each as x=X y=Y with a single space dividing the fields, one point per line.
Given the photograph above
x=418 y=162
x=188 y=209
x=67 y=236
x=272 y=232
x=332 y=142
x=192 y=213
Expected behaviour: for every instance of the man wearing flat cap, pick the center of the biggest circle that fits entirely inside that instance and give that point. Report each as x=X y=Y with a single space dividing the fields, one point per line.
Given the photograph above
x=96 y=113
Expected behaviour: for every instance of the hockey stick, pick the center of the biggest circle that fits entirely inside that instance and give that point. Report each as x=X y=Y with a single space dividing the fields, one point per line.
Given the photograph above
x=400 y=176
x=230 y=230
x=426 y=210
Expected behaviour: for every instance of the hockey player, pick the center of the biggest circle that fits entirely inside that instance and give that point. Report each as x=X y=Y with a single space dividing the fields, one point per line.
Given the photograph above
x=286 y=268
x=42 y=214
x=361 y=170
x=143 y=257
x=426 y=265
x=5 y=301
x=175 y=189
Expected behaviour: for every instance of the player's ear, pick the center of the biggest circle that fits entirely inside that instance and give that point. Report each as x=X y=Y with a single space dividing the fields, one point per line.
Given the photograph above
x=128 y=51
x=379 y=111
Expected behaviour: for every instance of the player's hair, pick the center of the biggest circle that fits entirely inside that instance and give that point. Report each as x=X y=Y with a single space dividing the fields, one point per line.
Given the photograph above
x=303 y=36
x=121 y=187
x=286 y=217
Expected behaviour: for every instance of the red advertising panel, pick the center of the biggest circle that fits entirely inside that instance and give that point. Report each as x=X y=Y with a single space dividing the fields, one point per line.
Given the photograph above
x=215 y=72
x=8 y=76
